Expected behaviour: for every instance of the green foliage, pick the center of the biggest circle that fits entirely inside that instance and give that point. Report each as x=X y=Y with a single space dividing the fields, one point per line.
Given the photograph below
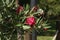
x=7 y=13
x=11 y=21
x=51 y=7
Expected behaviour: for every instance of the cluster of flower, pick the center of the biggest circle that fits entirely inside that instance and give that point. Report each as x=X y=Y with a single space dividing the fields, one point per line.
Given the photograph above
x=30 y=20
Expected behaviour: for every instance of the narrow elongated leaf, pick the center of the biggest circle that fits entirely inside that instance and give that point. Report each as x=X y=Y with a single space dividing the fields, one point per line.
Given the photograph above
x=25 y=27
x=18 y=25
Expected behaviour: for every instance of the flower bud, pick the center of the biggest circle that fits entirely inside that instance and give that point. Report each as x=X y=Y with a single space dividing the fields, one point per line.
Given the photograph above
x=19 y=9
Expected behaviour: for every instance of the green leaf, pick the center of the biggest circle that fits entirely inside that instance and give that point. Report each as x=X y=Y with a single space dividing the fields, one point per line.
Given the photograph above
x=47 y=27
x=11 y=3
x=7 y=2
x=23 y=19
x=39 y=26
x=26 y=12
x=25 y=27
x=44 y=24
x=38 y=20
x=0 y=17
x=18 y=25
x=27 y=7
x=50 y=1
x=40 y=11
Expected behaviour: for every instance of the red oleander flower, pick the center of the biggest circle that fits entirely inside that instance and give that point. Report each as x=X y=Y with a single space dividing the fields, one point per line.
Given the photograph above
x=30 y=21
x=35 y=8
x=19 y=9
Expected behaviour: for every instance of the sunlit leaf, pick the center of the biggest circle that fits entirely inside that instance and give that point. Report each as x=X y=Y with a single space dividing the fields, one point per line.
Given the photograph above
x=25 y=27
